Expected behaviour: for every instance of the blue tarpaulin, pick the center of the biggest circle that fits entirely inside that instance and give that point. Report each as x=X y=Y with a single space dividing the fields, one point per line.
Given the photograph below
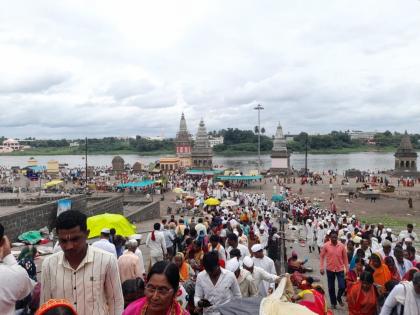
x=239 y=178
x=37 y=168
x=144 y=183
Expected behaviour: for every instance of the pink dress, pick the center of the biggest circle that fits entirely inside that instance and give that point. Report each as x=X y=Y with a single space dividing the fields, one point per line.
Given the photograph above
x=137 y=307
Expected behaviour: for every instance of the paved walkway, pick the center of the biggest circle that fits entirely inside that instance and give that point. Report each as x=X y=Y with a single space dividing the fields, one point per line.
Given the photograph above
x=313 y=262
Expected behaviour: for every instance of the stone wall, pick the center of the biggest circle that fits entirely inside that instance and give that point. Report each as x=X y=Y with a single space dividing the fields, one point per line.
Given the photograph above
x=10 y=202
x=36 y=217
x=148 y=212
x=106 y=205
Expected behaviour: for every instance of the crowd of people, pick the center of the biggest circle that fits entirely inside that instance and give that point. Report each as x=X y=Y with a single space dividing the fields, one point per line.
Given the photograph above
x=198 y=265
x=377 y=271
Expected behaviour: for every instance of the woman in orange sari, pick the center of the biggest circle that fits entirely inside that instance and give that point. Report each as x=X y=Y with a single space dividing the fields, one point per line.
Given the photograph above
x=381 y=274
x=185 y=270
x=362 y=297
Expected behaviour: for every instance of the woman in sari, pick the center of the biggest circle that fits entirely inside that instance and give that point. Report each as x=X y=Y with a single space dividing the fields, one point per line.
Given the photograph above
x=161 y=291
x=26 y=260
x=362 y=298
x=390 y=262
x=353 y=275
x=381 y=274
x=313 y=299
x=185 y=270
x=195 y=256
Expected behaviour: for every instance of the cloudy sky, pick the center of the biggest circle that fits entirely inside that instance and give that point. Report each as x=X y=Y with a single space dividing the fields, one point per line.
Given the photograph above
x=121 y=68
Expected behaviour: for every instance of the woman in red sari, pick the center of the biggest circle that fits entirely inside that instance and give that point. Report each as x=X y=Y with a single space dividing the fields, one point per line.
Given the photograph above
x=354 y=275
x=313 y=299
x=362 y=298
x=161 y=290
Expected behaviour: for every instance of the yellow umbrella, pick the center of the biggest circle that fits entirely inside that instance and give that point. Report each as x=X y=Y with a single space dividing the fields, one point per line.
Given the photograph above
x=52 y=183
x=212 y=202
x=178 y=190
x=109 y=220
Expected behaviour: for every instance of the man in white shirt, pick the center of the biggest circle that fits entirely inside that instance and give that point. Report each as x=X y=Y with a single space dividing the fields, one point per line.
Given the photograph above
x=405 y=294
x=310 y=235
x=244 y=278
x=84 y=275
x=15 y=282
x=402 y=264
x=258 y=274
x=157 y=245
x=200 y=227
x=215 y=286
x=266 y=263
x=105 y=244
x=408 y=233
x=234 y=243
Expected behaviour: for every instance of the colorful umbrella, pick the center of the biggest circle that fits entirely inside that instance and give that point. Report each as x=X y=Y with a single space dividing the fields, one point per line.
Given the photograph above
x=178 y=190
x=109 y=220
x=277 y=198
x=212 y=202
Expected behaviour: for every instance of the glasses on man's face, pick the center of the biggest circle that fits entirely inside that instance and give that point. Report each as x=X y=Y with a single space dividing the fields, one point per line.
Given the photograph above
x=161 y=290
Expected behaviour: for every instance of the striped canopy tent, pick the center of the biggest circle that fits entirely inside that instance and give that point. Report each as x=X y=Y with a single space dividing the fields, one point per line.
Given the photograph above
x=144 y=183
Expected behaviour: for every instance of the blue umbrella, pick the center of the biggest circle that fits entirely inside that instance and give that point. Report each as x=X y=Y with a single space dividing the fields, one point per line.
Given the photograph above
x=277 y=198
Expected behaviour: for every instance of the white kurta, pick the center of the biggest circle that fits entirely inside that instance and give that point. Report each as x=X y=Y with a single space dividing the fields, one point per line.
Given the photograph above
x=267 y=264
x=310 y=235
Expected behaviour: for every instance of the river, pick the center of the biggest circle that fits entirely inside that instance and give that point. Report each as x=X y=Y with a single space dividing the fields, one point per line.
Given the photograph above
x=368 y=161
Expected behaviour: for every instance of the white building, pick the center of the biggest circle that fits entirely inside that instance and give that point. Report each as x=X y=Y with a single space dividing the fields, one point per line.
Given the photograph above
x=362 y=135
x=215 y=141
x=12 y=144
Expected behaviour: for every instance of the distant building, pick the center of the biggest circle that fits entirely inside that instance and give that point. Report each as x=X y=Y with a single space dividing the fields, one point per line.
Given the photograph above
x=74 y=144
x=168 y=164
x=290 y=138
x=156 y=138
x=183 y=144
x=406 y=156
x=117 y=165
x=216 y=140
x=202 y=153
x=366 y=136
x=280 y=157
x=12 y=144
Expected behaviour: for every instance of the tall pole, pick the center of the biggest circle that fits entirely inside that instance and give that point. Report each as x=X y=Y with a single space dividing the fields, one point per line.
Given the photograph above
x=259 y=108
x=306 y=155
x=86 y=161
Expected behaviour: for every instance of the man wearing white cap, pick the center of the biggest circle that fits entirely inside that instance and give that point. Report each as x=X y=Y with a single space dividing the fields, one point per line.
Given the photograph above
x=320 y=236
x=104 y=243
x=258 y=274
x=310 y=235
x=244 y=278
x=389 y=236
x=264 y=262
x=129 y=263
x=137 y=238
x=408 y=233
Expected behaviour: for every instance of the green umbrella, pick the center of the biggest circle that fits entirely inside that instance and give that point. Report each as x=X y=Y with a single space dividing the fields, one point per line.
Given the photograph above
x=277 y=198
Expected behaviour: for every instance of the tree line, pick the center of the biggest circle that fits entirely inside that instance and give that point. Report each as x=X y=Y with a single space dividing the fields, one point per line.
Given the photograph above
x=235 y=140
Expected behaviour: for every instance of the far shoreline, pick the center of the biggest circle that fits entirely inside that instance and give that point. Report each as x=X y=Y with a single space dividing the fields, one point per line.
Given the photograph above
x=168 y=153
